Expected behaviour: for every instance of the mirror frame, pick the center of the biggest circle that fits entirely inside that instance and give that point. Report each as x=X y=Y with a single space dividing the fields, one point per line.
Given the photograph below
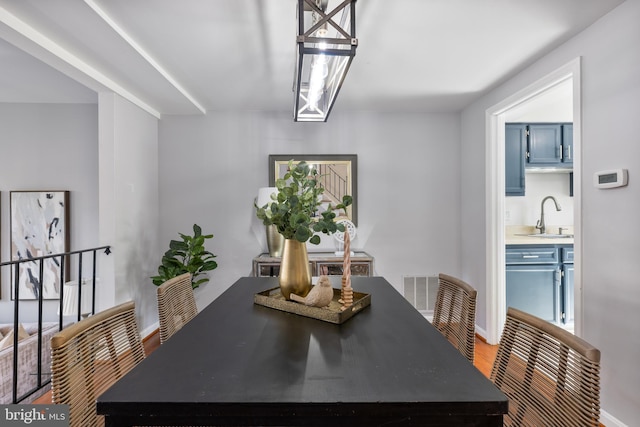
x=349 y=160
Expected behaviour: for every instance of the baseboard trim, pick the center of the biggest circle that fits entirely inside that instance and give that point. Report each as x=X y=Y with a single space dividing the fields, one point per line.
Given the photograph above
x=609 y=420
x=149 y=331
x=481 y=334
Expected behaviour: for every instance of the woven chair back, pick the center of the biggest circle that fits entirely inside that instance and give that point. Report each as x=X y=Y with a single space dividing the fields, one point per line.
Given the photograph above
x=176 y=305
x=455 y=313
x=91 y=355
x=551 y=377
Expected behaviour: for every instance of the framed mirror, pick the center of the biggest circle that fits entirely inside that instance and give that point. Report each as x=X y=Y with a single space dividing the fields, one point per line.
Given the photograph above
x=338 y=175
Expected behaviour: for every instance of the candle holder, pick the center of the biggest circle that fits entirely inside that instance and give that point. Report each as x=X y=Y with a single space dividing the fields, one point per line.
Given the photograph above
x=338 y=236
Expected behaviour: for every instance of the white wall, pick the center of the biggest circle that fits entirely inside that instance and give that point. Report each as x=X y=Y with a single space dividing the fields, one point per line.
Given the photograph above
x=610 y=252
x=129 y=198
x=107 y=157
x=408 y=185
x=48 y=147
x=525 y=210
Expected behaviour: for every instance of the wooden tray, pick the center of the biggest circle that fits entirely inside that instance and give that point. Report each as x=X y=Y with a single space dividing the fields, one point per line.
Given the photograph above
x=273 y=298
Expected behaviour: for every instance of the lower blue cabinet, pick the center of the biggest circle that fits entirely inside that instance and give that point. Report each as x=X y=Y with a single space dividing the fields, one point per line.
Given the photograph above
x=539 y=281
x=567 y=280
x=567 y=285
x=535 y=289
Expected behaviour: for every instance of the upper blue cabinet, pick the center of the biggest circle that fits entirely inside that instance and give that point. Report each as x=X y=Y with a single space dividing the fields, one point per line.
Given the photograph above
x=550 y=145
x=567 y=144
x=514 y=157
x=535 y=146
x=545 y=144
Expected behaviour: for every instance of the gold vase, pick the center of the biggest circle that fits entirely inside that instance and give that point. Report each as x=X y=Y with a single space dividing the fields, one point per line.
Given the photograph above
x=295 y=274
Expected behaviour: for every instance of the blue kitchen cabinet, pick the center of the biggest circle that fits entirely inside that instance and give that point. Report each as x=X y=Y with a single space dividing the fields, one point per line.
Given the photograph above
x=567 y=286
x=550 y=145
x=535 y=145
x=515 y=153
x=535 y=289
x=545 y=144
x=539 y=280
x=567 y=144
x=533 y=254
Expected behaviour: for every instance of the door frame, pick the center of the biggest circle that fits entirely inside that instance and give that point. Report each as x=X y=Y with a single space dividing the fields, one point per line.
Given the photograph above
x=495 y=196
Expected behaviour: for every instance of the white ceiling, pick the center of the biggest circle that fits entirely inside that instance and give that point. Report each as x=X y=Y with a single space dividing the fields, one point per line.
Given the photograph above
x=211 y=55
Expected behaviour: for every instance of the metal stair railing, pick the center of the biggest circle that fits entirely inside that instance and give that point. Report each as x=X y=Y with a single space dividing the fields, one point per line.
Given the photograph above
x=64 y=259
x=335 y=185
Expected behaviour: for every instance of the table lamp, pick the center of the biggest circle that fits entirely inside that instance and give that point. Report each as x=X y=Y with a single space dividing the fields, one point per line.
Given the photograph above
x=70 y=299
x=275 y=240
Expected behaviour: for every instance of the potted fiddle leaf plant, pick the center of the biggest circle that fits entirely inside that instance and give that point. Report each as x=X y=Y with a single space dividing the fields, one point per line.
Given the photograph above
x=295 y=213
x=187 y=256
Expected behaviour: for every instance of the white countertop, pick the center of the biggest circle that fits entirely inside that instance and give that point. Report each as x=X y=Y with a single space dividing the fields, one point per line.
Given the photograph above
x=517 y=235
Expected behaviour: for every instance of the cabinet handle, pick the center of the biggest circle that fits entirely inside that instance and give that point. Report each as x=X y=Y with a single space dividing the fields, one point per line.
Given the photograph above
x=568 y=153
x=530 y=256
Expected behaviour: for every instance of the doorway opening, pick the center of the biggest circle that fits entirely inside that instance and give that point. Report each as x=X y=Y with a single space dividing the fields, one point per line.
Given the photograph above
x=496 y=118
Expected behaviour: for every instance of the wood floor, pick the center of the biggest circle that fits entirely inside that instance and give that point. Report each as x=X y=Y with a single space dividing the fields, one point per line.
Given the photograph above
x=484 y=356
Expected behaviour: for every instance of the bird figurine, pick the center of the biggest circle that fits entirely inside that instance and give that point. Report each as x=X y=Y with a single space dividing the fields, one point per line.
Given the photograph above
x=319 y=296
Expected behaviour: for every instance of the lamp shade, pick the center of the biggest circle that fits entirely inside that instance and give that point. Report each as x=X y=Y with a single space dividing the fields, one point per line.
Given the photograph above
x=325 y=49
x=264 y=195
x=71 y=295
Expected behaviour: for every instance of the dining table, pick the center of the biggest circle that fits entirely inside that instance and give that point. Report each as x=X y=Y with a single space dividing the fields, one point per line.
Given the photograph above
x=238 y=363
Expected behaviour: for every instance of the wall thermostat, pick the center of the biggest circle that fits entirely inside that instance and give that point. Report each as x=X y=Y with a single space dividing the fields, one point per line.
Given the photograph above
x=611 y=178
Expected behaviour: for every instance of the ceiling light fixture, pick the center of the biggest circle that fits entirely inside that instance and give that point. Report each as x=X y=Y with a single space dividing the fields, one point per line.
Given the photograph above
x=325 y=51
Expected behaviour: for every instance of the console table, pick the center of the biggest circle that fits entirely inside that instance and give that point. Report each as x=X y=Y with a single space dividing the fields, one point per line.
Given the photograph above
x=321 y=263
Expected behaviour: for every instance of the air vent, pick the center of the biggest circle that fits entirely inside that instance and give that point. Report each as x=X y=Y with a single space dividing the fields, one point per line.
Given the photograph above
x=421 y=292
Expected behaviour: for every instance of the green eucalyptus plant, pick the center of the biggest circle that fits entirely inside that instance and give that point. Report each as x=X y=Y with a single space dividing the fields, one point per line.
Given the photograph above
x=295 y=206
x=186 y=256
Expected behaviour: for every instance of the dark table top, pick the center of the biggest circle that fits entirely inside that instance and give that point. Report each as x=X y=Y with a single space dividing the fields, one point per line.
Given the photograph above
x=249 y=364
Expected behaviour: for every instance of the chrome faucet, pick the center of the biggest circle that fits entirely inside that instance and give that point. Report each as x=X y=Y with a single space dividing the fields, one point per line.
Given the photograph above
x=541 y=225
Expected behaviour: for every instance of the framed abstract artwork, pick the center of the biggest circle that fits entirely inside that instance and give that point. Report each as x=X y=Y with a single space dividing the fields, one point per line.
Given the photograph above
x=39 y=227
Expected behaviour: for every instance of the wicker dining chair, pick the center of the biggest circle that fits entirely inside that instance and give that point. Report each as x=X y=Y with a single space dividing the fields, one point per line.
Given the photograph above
x=551 y=377
x=176 y=305
x=90 y=356
x=455 y=313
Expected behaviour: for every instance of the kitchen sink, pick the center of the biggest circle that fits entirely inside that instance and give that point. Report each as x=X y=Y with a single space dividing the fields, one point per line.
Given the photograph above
x=549 y=236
